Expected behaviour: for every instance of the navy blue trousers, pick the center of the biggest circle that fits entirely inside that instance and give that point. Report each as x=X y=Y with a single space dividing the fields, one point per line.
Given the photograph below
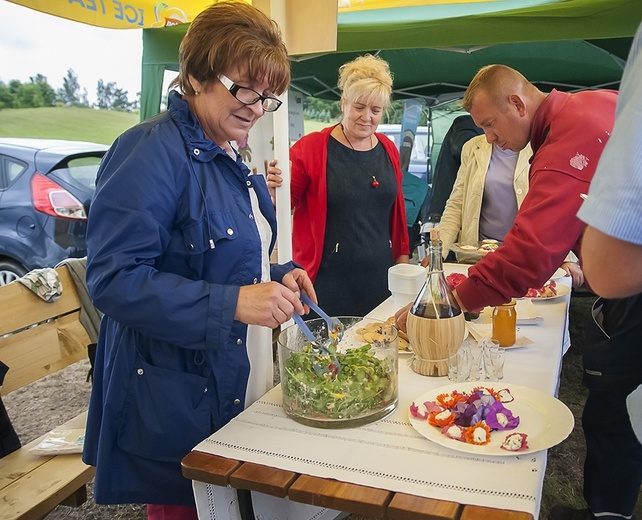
x=612 y=370
x=613 y=466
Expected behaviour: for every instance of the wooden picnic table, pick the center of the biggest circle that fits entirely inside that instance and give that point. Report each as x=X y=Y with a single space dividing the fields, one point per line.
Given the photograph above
x=333 y=494
x=257 y=451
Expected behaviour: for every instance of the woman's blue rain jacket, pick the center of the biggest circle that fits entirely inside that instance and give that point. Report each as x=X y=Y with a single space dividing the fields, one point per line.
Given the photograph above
x=171 y=238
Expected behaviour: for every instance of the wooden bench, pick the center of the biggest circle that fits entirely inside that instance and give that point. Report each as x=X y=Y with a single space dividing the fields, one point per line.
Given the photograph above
x=37 y=339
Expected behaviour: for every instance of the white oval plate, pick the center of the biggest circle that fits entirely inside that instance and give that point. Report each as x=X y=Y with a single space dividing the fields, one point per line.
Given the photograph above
x=559 y=274
x=543 y=418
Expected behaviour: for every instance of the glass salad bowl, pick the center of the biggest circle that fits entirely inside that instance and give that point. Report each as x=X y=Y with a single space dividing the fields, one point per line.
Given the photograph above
x=339 y=383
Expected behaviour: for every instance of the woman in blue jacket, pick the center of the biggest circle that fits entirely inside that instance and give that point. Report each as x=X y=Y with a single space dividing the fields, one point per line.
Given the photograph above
x=178 y=261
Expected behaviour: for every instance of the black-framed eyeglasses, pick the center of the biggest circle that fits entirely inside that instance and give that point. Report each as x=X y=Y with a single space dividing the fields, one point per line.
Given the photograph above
x=249 y=96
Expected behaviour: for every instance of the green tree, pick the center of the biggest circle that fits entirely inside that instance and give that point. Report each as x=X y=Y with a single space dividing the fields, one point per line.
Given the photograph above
x=14 y=85
x=393 y=114
x=28 y=95
x=84 y=101
x=104 y=93
x=6 y=97
x=120 y=101
x=135 y=105
x=326 y=110
x=321 y=109
x=47 y=93
x=70 y=93
x=110 y=97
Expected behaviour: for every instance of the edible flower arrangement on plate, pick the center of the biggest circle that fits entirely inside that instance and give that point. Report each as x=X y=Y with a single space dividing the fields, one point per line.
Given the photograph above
x=471 y=417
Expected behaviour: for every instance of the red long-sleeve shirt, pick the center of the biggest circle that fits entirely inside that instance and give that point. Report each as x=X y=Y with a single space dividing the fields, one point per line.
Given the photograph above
x=568 y=134
x=309 y=194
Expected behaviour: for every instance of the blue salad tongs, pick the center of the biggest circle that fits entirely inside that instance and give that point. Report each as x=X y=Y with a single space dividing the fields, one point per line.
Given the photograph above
x=326 y=359
x=335 y=327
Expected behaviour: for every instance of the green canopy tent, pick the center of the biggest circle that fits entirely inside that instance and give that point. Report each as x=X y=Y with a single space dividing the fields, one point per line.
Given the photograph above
x=436 y=49
x=435 y=73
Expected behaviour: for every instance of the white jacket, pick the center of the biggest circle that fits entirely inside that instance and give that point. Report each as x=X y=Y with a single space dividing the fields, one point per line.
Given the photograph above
x=460 y=220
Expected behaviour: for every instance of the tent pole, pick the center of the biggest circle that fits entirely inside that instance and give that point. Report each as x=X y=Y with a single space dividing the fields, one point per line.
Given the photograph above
x=282 y=153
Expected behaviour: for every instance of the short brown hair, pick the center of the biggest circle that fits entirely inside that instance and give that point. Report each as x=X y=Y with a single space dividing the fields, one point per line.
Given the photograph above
x=497 y=81
x=228 y=34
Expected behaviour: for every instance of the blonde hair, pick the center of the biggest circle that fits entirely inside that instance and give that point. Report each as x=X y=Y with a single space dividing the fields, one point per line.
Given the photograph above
x=229 y=34
x=366 y=78
x=499 y=82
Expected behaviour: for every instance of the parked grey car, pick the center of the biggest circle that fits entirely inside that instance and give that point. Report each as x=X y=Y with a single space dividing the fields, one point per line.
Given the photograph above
x=46 y=186
x=420 y=151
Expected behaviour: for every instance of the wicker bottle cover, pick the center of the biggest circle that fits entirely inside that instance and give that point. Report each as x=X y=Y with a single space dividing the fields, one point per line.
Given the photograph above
x=436 y=325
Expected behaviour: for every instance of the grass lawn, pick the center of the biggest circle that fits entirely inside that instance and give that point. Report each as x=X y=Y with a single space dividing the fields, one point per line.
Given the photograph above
x=72 y=123
x=79 y=124
x=314 y=126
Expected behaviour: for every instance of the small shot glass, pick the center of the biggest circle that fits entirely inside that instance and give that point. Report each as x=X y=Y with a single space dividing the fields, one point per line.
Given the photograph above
x=453 y=366
x=494 y=357
x=475 y=353
x=468 y=363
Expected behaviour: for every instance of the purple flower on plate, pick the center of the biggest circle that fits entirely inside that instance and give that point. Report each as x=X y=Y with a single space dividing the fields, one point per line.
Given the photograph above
x=480 y=414
x=501 y=418
x=465 y=415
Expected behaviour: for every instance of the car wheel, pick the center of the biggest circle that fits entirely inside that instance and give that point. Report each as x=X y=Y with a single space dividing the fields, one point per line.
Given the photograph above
x=10 y=271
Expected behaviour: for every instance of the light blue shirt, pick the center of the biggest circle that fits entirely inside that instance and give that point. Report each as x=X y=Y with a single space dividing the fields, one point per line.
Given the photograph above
x=614 y=203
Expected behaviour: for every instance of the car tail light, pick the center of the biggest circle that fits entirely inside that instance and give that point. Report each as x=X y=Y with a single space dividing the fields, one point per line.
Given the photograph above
x=52 y=199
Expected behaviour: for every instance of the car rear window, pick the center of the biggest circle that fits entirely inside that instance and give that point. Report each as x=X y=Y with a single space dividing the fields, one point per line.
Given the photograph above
x=80 y=169
x=418 y=150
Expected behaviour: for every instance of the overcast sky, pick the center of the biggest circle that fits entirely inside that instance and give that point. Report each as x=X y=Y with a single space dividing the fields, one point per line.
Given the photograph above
x=35 y=43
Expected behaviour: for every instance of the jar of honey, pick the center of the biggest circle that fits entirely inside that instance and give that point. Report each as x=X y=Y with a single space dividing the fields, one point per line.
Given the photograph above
x=505 y=324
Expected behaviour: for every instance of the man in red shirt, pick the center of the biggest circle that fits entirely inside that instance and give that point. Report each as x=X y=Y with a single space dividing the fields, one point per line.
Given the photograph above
x=567 y=133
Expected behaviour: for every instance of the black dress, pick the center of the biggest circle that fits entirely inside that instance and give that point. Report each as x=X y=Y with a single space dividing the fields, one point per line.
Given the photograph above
x=357 y=250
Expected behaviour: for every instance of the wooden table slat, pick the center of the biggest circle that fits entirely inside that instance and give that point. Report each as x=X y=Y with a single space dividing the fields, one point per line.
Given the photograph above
x=264 y=479
x=488 y=513
x=342 y=496
x=411 y=507
x=333 y=494
x=205 y=467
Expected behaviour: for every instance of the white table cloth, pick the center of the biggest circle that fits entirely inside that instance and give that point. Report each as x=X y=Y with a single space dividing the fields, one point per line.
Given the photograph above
x=390 y=454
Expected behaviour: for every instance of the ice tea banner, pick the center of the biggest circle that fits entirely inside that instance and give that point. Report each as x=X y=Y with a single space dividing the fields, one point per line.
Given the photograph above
x=122 y=14
x=138 y=14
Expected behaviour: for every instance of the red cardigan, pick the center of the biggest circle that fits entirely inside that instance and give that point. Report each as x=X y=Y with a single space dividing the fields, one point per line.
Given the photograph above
x=309 y=200
x=568 y=134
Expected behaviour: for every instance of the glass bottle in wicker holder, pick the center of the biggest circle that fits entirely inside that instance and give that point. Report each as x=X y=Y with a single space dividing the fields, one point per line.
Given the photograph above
x=436 y=324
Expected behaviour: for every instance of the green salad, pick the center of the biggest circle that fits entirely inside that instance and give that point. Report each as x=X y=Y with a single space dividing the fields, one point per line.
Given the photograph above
x=363 y=384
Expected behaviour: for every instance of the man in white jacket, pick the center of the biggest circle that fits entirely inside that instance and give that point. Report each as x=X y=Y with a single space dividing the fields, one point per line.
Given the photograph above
x=490 y=186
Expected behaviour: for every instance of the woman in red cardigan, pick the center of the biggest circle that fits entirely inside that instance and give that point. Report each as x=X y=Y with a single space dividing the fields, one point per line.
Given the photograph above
x=349 y=223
